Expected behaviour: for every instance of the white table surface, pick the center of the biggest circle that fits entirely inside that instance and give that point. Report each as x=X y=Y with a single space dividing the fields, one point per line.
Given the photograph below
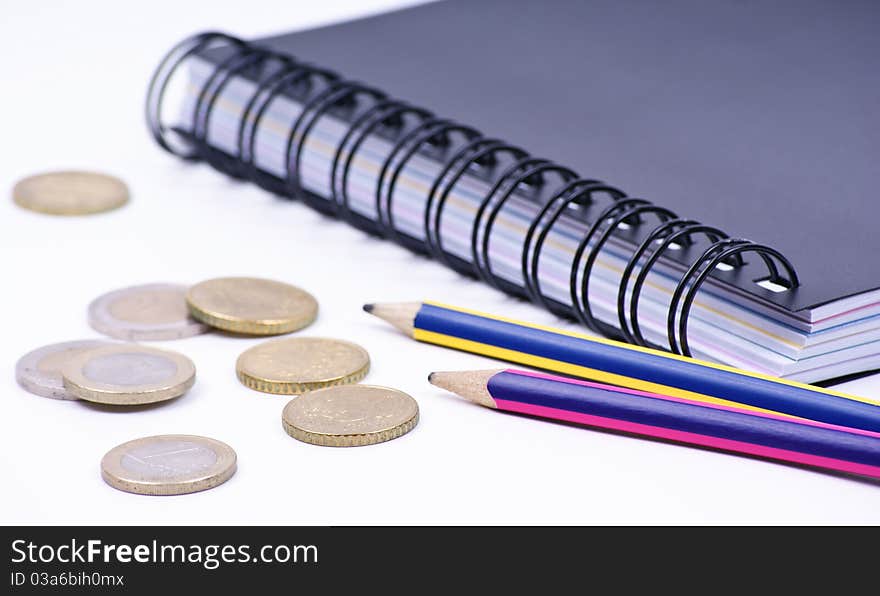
x=74 y=78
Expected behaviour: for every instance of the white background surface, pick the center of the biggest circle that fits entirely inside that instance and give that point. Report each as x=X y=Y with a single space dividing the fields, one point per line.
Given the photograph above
x=74 y=79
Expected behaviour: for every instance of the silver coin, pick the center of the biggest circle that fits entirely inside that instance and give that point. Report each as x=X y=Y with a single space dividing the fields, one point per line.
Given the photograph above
x=145 y=313
x=39 y=371
x=128 y=374
x=168 y=465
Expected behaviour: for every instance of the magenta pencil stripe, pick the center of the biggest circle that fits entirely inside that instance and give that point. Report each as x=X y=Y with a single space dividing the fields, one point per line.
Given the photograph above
x=686 y=437
x=526 y=373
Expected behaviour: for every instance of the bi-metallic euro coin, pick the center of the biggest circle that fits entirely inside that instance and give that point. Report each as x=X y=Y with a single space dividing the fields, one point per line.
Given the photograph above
x=145 y=313
x=39 y=371
x=128 y=374
x=168 y=465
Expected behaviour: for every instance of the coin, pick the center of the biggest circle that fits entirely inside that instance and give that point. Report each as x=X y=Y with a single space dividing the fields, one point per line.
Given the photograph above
x=39 y=371
x=128 y=374
x=350 y=415
x=144 y=313
x=70 y=193
x=168 y=465
x=298 y=364
x=251 y=305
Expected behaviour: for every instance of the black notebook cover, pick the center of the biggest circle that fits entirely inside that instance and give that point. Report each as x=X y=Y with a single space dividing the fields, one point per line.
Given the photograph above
x=760 y=118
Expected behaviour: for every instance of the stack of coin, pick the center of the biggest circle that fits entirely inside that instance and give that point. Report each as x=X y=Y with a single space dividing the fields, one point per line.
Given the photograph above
x=128 y=374
x=106 y=373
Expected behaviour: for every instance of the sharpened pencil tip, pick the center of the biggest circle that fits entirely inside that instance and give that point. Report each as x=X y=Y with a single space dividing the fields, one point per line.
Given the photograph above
x=470 y=385
x=400 y=314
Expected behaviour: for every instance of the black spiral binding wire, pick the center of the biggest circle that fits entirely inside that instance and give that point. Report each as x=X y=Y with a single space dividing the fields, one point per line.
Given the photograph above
x=508 y=171
x=247 y=124
x=393 y=117
x=662 y=237
x=291 y=77
x=520 y=172
x=475 y=151
x=690 y=283
x=429 y=130
x=159 y=83
x=602 y=230
x=335 y=95
x=439 y=136
x=487 y=155
x=535 y=175
x=579 y=193
x=206 y=101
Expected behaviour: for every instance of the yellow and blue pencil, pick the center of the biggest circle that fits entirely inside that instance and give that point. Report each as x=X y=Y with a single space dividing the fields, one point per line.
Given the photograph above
x=624 y=365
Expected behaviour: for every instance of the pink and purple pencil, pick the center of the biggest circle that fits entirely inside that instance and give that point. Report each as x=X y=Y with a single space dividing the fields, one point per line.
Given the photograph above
x=803 y=442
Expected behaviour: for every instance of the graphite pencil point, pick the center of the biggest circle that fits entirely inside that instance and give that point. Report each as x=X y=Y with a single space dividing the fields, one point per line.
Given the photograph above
x=400 y=314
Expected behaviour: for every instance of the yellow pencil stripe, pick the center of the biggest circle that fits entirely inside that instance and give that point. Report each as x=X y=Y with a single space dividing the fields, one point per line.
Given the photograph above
x=590 y=374
x=611 y=342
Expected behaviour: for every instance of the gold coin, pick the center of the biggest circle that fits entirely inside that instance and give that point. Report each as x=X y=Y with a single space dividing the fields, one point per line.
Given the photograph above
x=251 y=305
x=350 y=415
x=299 y=364
x=70 y=193
x=168 y=465
x=128 y=374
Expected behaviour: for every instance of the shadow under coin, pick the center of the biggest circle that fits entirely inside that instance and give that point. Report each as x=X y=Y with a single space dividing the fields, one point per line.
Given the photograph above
x=126 y=409
x=233 y=335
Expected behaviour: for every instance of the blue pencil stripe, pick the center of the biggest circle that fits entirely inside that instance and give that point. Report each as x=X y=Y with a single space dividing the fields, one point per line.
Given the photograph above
x=671 y=372
x=701 y=420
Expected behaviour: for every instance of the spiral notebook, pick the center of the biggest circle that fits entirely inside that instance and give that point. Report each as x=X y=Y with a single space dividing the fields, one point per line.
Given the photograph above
x=698 y=177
